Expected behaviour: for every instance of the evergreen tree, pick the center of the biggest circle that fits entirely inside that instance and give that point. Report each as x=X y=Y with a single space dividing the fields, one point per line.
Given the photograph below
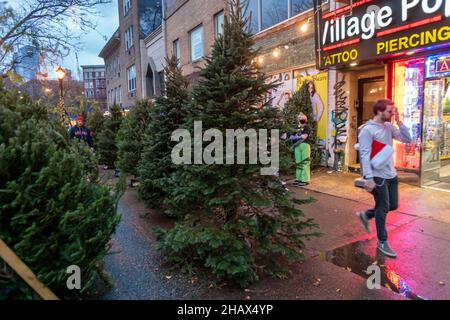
x=168 y=115
x=106 y=146
x=131 y=135
x=235 y=221
x=300 y=102
x=53 y=212
x=94 y=122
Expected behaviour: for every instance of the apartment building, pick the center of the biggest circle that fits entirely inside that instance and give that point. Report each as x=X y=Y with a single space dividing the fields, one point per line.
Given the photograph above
x=125 y=53
x=190 y=30
x=95 y=83
x=114 y=82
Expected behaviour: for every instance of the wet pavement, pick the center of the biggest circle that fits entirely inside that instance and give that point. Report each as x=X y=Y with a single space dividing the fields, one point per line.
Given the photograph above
x=335 y=268
x=419 y=231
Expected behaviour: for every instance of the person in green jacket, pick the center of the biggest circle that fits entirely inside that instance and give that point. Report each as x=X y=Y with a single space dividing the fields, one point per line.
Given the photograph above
x=302 y=151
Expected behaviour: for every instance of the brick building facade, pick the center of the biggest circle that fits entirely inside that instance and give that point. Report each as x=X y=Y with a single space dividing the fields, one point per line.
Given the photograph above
x=95 y=83
x=190 y=29
x=125 y=54
x=114 y=82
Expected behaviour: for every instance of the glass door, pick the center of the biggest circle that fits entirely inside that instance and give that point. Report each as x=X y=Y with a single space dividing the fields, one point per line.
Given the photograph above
x=436 y=134
x=370 y=90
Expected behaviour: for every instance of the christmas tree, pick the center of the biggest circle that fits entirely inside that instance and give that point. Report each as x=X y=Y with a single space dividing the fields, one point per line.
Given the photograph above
x=301 y=103
x=130 y=137
x=94 y=122
x=233 y=220
x=53 y=212
x=107 y=146
x=168 y=115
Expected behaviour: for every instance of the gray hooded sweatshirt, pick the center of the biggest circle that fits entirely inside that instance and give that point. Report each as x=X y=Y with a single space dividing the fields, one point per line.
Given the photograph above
x=384 y=133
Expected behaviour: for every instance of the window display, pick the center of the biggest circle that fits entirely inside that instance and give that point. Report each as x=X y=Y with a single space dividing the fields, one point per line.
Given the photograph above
x=408 y=97
x=436 y=122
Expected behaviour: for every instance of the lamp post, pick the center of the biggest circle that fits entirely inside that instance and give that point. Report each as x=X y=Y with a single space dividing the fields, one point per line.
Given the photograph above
x=60 y=74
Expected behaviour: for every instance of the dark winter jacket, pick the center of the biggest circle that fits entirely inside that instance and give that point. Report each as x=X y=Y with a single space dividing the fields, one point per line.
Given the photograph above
x=296 y=137
x=82 y=134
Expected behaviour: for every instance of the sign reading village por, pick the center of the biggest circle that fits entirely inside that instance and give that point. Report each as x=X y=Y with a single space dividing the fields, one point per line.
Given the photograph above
x=374 y=29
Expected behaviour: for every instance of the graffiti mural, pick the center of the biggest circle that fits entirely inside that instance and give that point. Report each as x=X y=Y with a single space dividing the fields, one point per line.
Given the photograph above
x=281 y=94
x=339 y=118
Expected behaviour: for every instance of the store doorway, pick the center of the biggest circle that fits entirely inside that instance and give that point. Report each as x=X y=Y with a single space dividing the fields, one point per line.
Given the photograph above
x=370 y=90
x=436 y=134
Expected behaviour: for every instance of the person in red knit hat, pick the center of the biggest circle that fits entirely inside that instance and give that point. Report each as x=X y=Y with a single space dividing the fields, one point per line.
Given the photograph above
x=81 y=133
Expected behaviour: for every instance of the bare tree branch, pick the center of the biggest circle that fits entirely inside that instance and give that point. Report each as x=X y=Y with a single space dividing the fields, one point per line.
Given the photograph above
x=45 y=24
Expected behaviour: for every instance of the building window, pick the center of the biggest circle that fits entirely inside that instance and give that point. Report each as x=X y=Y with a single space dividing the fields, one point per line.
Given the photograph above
x=251 y=11
x=218 y=23
x=129 y=38
x=120 y=95
x=267 y=13
x=299 y=6
x=126 y=6
x=131 y=78
x=177 y=51
x=196 y=43
x=161 y=80
x=273 y=12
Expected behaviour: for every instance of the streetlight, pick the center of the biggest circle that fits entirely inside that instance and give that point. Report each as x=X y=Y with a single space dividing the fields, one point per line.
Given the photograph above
x=60 y=74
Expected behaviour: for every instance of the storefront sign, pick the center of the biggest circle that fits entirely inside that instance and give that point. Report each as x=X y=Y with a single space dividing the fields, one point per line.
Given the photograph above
x=443 y=66
x=374 y=29
x=438 y=66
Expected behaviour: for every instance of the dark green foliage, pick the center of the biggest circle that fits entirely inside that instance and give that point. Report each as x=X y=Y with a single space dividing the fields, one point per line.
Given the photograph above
x=300 y=102
x=169 y=113
x=233 y=220
x=130 y=138
x=95 y=121
x=53 y=212
x=106 y=142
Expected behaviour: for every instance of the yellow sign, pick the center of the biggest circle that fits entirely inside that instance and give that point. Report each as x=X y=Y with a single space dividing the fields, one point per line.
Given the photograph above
x=414 y=40
x=317 y=86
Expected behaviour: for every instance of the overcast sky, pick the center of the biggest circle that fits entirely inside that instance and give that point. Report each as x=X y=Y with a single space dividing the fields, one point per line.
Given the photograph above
x=94 y=41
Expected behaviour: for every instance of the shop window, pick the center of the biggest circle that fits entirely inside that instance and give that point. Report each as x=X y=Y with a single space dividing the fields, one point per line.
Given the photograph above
x=408 y=80
x=436 y=124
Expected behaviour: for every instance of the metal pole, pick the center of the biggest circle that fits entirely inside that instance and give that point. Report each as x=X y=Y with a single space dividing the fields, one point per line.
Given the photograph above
x=62 y=111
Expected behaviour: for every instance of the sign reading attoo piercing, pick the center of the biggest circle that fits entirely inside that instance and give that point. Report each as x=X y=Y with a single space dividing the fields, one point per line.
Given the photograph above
x=368 y=30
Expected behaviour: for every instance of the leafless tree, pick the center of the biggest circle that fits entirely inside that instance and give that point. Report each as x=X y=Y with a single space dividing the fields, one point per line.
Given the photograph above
x=54 y=27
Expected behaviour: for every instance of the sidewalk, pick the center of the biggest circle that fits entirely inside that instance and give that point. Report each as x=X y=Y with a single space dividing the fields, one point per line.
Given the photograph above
x=137 y=273
x=419 y=231
x=336 y=262
x=420 y=202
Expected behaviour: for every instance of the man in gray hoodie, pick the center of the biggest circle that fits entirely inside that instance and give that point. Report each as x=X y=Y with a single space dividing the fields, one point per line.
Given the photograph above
x=381 y=182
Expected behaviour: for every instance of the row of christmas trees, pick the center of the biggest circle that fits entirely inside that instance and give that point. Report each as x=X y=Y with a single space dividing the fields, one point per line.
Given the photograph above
x=230 y=218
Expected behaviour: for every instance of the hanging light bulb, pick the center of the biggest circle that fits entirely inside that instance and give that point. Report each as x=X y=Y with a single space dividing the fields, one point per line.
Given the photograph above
x=276 y=53
x=304 y=27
